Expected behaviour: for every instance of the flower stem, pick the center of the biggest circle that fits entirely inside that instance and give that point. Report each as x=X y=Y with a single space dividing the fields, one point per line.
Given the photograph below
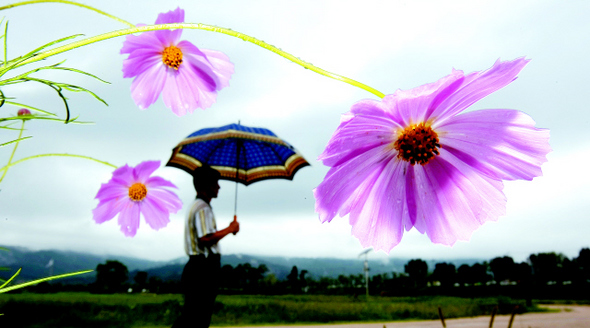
x=69 y=3
x=34 y=282
x=20 y=134
x=5 y=168
x=205 y=27
x=199 y=26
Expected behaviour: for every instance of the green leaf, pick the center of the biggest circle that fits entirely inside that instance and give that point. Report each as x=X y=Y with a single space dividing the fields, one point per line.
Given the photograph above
x=30 y=107
x=77 y=71
x=10 y=279
x=54 y=66
x=52 y=43
x=36 y=117
x=34 y=282
x=7 y=127
x=5 y=39
x=15 y=140
x=16 y=62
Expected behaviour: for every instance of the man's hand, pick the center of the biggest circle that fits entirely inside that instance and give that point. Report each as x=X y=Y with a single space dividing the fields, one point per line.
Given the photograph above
x=213 y=238
x=234 y=226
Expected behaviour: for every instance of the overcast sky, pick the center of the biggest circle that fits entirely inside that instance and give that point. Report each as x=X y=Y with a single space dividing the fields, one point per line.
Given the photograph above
x=46 y=203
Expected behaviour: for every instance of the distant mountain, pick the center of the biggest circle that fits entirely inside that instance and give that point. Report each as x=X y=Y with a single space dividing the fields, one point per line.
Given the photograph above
x=38 y=264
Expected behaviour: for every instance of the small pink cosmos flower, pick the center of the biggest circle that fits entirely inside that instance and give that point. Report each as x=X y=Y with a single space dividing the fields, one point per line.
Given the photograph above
x=188 y=77
x=411 y=161
x=132 y=191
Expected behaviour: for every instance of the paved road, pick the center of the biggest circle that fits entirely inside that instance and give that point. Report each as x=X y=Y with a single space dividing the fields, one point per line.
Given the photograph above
x=573 y=316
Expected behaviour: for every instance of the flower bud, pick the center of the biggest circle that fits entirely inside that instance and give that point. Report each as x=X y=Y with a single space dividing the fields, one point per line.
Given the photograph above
x=23 y=111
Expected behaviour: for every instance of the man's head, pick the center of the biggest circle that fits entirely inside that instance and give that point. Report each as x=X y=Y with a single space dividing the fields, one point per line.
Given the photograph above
x=205 y=181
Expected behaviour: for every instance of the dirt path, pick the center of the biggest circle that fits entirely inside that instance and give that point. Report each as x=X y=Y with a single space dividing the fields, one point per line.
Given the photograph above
x=570 y=316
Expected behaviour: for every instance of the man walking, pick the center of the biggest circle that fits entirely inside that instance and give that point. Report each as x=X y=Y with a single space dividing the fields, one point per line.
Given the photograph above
x=200 y=275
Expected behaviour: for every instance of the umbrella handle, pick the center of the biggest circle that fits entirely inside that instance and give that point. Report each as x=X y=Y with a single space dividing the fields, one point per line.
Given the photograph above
x=235 y=219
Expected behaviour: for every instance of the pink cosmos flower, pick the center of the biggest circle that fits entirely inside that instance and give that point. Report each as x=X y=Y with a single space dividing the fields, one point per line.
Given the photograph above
x=132 y=191
x=188 y=77
x=411 y=161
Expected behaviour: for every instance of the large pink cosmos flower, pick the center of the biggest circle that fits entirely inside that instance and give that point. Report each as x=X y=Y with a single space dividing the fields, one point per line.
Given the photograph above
x=132 y=191
x=188 y=77
x=411 y=161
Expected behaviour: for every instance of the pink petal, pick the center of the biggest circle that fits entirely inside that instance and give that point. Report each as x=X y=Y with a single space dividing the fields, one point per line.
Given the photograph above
x=141 y=61
x=157 y=182
x=449 y=202
x=478 y=85
x=222 y=67
x=165 y=199
x=359 y=133
x=143 y=41
x=342 y=181
x=410 y=106
x=129 y=218
x=123 y=175
x=501 y=143
x=187 y=89
x=112 y=189
x=377 y=110
x=188 y=49
x=108 y=209
x=146 y=88
x=144 y=169
x=490 y=190
x=155 y=216
x=379 y=220
x=199 y=70
x=169 y=37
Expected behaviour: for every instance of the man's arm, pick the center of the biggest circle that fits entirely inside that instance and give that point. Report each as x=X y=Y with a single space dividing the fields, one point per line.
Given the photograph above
x=212 y=238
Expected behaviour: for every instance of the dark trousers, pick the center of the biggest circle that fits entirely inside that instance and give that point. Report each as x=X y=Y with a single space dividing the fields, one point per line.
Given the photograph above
x=200 y=284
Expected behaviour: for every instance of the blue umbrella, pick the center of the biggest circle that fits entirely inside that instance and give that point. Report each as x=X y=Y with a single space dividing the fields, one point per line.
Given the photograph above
x=240 y=153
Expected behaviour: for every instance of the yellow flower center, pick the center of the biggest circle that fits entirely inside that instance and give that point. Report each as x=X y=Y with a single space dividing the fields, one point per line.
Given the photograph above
x=172 y=56
x=417 y=143
x=137 y=191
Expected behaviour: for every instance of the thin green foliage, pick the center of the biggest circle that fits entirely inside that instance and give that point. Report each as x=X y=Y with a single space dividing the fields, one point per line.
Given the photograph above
x=4 y=289
x=10 y=279
x=15 y=140
x=4 y=36
x=6 y=167
x=211 y=28
x=69 y=3
x=16 y=62
x=31 y=108
x=37 y=117
x=7 y=126
x=59 y=87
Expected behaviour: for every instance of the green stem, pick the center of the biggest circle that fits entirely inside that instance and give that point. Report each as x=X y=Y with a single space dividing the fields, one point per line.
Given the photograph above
x=63 y=155
x=20 y=134
x=34 y=282
x=22 y=3
x=205 y=27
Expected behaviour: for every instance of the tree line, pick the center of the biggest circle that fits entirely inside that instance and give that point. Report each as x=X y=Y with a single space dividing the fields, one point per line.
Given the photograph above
x=542 y=275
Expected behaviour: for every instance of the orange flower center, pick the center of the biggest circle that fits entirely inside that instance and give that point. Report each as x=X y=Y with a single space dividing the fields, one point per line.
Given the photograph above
x=137 y=191
x=172 y=56
x=417 y=143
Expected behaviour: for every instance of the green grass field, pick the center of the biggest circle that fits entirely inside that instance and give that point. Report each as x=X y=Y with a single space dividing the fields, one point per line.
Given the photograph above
x=150 y=310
